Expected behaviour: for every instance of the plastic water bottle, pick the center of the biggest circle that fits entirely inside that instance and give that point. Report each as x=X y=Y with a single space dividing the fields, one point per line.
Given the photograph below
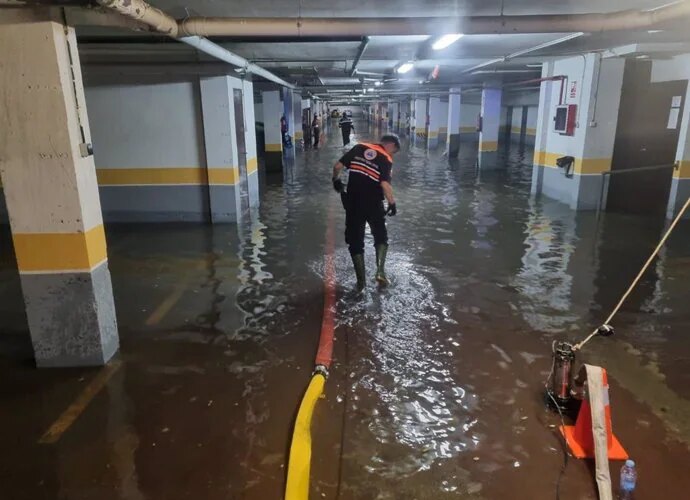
x=628 y=480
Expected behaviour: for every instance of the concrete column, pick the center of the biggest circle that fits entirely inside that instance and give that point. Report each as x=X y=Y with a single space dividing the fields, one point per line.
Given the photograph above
x=273 y=110
x=297 y=115
x=436 y=120
x=488 y=137
x=420 y=120
x=222 y=158
x=49 y=178
x=250 y=142
x=540 y=139
x=394 y=111
x=453 y=140
x=443 y=128
x=591 y=143
x=287 y=112
x=680 y=184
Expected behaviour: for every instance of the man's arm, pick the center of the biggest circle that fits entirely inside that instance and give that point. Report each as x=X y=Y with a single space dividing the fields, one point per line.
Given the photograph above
x=336 y=169
x=388 y=192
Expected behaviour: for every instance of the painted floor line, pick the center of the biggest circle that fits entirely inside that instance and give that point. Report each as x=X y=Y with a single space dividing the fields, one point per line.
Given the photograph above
x=72 y=413
x=164 y=307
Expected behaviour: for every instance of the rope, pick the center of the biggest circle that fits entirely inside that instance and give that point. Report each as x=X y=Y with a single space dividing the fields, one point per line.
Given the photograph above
x=632 y=286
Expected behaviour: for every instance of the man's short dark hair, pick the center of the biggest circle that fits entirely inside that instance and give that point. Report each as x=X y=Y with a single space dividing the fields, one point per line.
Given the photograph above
x=390 y=139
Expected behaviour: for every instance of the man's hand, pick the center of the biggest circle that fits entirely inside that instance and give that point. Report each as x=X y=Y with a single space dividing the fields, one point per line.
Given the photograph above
x=337 y=185
x=392 y=209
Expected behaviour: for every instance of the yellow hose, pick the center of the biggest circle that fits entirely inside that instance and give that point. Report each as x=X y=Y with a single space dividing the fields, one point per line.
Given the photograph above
x=297 y=487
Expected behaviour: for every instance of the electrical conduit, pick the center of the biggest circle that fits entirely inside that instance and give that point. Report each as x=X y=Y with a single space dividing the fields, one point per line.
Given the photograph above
x=299 y=464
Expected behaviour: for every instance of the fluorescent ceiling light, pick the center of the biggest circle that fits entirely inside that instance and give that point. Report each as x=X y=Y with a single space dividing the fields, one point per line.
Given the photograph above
x=446 y=40
x=651 y=32
x=378 y=83
x=405 y=67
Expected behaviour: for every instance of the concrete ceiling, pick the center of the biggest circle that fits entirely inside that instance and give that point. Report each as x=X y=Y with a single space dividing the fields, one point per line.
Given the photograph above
x=315 y=62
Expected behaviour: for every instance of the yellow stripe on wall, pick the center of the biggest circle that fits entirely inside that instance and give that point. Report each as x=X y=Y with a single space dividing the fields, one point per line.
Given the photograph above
x=274 y=148
x=583 y=166
x=252 y=165
x=516 y=130
x=433 y=134
x=531 y=131
x=466 y=130
x=488 y=146
x=197 y=176
x=51 y=252
x=443 y=130
x=682 y=170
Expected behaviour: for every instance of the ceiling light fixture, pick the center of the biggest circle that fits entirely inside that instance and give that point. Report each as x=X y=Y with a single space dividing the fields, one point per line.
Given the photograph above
x=446 y=40
x=405 y=67
x=378 y=83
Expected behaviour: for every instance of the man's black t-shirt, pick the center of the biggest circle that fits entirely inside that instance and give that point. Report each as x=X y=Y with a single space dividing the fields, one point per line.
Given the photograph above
x=369 y=165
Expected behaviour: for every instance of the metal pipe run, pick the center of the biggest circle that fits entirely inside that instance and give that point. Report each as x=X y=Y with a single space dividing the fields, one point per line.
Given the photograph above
x=160 y=22
x=472 y=25
x=360 y=53
x=207 y=46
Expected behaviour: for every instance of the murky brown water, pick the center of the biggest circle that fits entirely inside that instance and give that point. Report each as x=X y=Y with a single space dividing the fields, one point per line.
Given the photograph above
x=436 y=387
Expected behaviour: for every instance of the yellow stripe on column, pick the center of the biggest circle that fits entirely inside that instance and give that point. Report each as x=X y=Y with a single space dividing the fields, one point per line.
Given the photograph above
x=274 y=148
x=583 y=166
x=252 y=165
x=227 y=176
x=682 y=170
x=488 y=146
x=60 y=252
x=468 y=130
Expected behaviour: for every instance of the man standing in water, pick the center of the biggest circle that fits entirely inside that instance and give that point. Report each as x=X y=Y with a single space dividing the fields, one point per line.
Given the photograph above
x=316 y=130
x=346 y=127
x=369 y=182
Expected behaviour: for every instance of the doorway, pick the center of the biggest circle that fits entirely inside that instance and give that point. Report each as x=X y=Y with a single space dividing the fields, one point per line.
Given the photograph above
x=647 y=135
x=241 y=149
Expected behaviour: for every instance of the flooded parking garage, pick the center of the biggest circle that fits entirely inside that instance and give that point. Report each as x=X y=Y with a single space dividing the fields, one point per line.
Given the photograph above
x=186 y=310
x=436 y=390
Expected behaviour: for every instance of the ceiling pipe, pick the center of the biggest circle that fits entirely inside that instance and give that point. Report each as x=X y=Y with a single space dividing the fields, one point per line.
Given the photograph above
x=160 y=22
x=471 y=25
x=213 y=49
x=360 y=53
x=141 y=11
x=523 y=52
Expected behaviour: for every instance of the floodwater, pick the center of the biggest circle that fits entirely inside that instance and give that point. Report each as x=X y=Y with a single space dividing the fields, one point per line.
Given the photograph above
x=436 y=387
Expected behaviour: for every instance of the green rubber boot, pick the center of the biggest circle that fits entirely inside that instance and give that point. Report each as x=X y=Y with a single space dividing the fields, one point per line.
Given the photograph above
x=381 y=251
x=360 y=272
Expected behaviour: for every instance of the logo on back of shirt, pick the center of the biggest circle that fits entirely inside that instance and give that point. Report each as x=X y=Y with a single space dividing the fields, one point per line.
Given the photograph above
x=370 y=154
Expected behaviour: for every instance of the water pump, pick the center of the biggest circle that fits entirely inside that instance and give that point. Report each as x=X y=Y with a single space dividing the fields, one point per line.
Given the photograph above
x=559 y=386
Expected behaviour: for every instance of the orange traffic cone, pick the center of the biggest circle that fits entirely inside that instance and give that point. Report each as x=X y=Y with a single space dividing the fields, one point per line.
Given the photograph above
x=580 y=438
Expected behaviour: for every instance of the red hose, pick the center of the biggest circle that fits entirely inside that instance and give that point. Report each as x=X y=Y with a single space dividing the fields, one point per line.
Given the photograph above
x=324 y=355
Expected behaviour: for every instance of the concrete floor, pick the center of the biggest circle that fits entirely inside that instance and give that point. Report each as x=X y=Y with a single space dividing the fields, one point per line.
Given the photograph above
x=436 y=387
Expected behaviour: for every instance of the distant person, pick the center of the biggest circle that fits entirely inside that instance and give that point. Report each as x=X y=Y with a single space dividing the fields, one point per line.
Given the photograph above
x=316 y=130
x=369 y=182
x=287 y=141
x=346 y=127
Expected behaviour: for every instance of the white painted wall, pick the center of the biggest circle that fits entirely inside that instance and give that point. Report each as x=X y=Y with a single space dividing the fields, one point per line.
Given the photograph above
x=666 y=70
x=146 y=124
x=468 y=117
x=596 y=126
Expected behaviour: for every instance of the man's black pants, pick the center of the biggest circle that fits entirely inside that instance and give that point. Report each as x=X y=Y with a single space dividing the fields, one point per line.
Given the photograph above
x=346 y=135
x=358 y=213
